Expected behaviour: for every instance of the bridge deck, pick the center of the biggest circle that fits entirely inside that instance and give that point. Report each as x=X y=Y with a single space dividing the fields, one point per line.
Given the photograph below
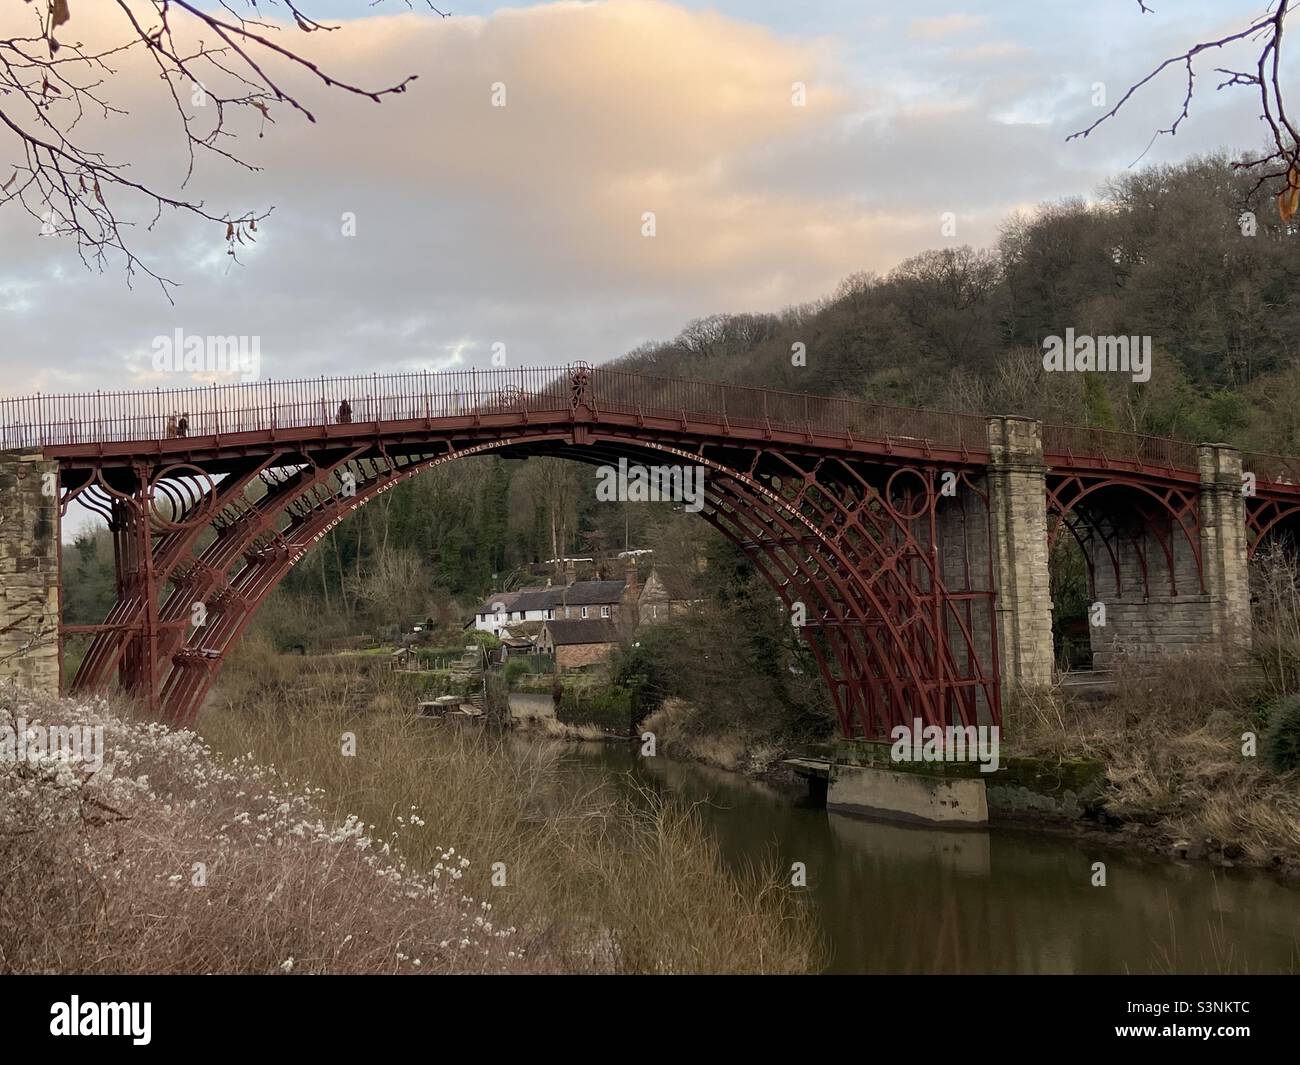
x=229 y=419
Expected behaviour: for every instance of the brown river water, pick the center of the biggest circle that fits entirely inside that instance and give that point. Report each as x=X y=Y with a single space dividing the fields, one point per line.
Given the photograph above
x=901 y=899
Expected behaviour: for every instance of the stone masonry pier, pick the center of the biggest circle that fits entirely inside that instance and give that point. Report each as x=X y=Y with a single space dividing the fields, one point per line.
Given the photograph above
x=29 y=570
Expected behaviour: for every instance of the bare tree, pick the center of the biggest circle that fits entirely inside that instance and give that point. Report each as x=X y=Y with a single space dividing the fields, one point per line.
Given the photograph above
x=555 y=489
x=1281 y=163
x=394 y=583
x=50 y=83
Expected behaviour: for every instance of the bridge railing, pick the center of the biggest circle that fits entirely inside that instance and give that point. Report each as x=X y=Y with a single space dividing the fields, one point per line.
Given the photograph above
x=259 y=406
x=122 y=416
x=740 y=406
x=1157 y=452
x=1271 y=469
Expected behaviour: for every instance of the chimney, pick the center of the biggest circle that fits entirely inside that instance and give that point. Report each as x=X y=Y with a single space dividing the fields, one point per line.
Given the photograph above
x=633 y=589
x=570 y=571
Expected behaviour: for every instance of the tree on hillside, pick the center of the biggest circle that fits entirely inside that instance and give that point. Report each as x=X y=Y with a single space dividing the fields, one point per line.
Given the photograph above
x=1053 y=263
x=88 y=597
x=551 y=484
x=1161 y=253
x=947 y=295
x=223 y=73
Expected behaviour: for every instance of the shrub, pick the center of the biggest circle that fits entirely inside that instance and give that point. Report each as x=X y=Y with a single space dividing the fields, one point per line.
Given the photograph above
x=743 y=669
x=1275 y=583
x=644 y=667
x=1282 y=736
x=609 y=708
x=483 y=639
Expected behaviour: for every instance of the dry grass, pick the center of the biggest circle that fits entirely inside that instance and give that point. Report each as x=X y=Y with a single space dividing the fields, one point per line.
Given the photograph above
x=1275 y=584
x=168 y=860
x=678 y=734
x=546 y=725
x=596 y=876
x=1171 y=738
x=313 y=861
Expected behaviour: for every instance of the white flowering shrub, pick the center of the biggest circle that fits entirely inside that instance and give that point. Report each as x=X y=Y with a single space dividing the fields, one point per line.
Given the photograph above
x=168 y=859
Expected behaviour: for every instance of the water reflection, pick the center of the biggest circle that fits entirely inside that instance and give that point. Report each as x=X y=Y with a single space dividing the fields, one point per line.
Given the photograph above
x=893 y=898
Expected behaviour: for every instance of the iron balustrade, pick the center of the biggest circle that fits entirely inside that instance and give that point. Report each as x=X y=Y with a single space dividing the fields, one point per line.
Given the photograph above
x=131 y=415
x=124 y=416
x=1110 y=445
x=1271 y=469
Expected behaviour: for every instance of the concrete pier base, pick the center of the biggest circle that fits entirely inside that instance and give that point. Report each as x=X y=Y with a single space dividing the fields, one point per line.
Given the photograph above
x=951 y=801
x=857 y=777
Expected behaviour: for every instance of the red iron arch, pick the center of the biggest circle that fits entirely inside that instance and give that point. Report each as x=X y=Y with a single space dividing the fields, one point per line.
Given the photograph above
x=825 y=536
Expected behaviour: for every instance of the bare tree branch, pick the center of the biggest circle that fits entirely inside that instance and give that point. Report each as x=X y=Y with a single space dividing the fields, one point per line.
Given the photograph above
x=1282 y=163
x=48 y=84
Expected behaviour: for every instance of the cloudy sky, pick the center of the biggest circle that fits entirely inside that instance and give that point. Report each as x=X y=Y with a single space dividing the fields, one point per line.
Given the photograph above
x=522 y=225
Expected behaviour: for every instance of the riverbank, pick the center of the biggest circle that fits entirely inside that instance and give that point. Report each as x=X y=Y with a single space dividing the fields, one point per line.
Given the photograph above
x=1185 y=743
x=601 y=877
x=1170 y=738
x=611 y=862
x=328 y=833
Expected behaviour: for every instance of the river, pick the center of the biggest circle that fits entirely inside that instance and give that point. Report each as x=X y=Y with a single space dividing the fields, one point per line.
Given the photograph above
x=899 y=899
